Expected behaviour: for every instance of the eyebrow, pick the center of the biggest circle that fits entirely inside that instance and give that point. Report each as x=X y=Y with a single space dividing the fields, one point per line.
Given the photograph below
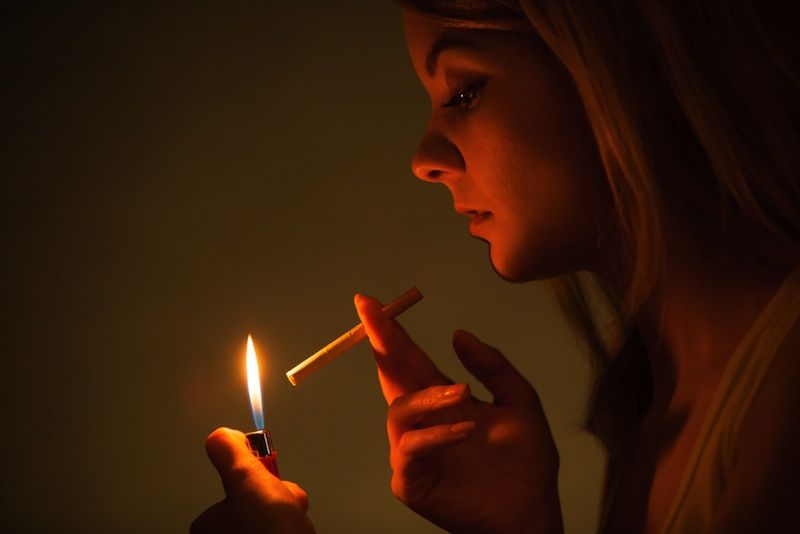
x=446 y=41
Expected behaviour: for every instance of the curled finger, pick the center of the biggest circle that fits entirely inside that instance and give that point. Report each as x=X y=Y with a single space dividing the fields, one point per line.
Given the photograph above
x=412 y=409
x=418 y=444
x=299 y=493
x=412 y=477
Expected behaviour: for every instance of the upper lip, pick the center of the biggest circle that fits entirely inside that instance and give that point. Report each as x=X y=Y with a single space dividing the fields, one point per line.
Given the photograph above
x=468 y=211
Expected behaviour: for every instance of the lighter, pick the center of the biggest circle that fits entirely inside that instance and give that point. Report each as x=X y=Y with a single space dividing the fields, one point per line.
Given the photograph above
x=261 y=444
x=260 y=441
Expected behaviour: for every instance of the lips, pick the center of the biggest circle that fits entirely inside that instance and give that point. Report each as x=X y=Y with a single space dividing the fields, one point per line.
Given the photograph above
x=478 y=220
x=470 y=212
x=477 y=217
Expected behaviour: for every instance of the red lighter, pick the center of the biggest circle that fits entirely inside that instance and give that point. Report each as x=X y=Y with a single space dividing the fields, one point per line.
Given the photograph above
x=260 y=443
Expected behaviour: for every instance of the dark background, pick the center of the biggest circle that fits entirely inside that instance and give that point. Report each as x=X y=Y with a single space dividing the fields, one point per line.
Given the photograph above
x=176 y=177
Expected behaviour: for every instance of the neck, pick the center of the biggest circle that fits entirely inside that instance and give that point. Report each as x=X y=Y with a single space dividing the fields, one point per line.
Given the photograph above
x=693 y=321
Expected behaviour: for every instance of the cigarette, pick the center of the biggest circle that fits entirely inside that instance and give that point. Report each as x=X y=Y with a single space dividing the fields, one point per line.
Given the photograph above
x=349 y=339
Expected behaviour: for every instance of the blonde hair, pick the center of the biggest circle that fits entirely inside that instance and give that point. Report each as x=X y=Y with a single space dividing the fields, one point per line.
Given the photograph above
x=695 y=108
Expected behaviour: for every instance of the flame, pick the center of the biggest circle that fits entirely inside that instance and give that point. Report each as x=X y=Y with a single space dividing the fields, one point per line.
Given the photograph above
x=254 y=384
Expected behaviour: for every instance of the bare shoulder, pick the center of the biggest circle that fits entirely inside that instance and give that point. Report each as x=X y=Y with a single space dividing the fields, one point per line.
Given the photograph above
x=765 y=487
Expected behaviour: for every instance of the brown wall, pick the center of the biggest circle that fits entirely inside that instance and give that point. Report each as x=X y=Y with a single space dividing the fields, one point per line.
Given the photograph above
x=175 y=178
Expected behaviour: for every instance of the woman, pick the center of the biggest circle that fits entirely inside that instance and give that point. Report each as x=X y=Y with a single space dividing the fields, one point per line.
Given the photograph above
x=646 y=156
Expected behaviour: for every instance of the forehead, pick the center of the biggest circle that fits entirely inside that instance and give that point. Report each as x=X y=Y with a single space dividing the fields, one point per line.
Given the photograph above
x=426 y=36
x=420 y=29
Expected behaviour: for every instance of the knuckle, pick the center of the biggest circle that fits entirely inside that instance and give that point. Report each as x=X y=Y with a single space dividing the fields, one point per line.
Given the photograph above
x=406 y=406
x=398 y=488
x=405 y=444
x=406 y=490
x=395 y=460
x=425 y=400
x=398 y=401
x=401 y=490
x=397 y=406
x=409 y=446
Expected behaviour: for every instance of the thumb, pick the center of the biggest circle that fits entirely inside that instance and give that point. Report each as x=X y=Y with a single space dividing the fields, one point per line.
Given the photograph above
x=240 y=471
x=494 y=371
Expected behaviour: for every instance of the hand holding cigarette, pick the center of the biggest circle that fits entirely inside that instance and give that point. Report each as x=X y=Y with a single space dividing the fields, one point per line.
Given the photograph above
x=462 y=463
x=349 y=339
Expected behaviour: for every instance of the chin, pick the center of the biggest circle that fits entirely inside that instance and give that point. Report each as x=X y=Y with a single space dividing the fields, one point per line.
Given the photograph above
x=520 y=268
x=507 y=268
x=511 y=277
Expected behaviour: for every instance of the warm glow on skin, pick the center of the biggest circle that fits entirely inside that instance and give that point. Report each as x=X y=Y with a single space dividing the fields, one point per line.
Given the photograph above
x=509 y=138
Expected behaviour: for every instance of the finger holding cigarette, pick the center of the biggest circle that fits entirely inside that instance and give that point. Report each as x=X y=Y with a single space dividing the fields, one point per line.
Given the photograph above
x=403 y=367
x=349 y=339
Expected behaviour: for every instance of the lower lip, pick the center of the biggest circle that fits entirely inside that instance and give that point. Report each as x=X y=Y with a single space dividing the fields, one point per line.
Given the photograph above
x=478 y=221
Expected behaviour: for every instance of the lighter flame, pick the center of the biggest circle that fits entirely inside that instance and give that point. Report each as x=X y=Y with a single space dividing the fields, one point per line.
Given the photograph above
x=254 y=384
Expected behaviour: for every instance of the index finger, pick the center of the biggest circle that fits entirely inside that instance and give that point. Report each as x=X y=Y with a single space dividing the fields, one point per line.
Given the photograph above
x=402 y=366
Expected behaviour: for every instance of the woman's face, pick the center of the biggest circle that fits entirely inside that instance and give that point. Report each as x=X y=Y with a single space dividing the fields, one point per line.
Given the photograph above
x=509 y=138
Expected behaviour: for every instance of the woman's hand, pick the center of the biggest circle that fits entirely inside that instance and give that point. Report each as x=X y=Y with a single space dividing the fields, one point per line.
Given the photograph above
x=462 y=463
x=256 y=500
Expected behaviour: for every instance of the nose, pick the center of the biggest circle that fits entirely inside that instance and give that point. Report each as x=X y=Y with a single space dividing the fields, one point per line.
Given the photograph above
x=436 y=158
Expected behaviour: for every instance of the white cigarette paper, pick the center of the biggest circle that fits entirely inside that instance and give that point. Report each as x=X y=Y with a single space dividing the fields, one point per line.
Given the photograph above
x=349 y=339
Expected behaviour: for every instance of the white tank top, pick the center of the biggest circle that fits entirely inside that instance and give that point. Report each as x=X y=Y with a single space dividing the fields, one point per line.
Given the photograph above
x=713 y=458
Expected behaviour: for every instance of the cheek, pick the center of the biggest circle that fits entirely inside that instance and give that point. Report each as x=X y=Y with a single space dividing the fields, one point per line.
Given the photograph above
x=551 y=198
x=545 y=234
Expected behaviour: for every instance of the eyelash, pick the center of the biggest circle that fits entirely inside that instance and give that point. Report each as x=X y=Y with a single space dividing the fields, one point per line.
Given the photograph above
x=465 y=97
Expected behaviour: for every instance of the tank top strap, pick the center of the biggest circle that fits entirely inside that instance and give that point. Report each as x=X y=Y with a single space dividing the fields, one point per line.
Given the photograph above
x=714 y=449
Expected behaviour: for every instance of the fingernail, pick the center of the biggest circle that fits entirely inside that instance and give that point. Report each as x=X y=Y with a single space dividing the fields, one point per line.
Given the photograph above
x=362 y=301
x=454 y=390
x=463 y=428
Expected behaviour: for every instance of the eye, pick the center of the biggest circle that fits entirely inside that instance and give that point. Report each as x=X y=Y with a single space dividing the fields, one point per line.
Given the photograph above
x=465 y=97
